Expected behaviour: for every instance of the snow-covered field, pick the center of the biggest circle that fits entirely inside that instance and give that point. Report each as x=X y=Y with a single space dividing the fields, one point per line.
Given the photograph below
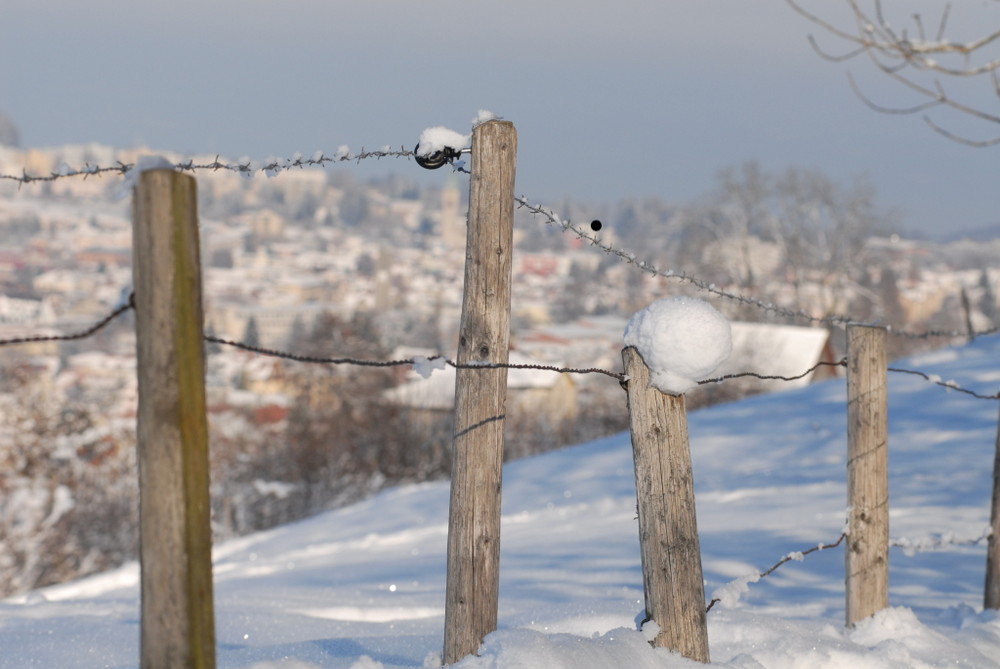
x=363 y=587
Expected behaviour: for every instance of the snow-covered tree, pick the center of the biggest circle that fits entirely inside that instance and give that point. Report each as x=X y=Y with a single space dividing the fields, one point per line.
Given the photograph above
x=68 y=483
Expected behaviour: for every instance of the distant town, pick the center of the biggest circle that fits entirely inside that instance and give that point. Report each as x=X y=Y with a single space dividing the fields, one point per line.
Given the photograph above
x=281 y=252
x=320 y=262
x=278 y=251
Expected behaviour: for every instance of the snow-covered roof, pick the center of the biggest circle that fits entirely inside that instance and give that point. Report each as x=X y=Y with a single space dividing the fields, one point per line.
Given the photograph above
x=774 y=350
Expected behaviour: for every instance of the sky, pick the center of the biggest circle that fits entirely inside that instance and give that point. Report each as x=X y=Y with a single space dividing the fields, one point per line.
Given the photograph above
x=611 y=100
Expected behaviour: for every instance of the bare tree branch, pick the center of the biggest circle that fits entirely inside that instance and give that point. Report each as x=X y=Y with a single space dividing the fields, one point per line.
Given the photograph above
x=889 y=110
x=910 y=59
x=979 y=144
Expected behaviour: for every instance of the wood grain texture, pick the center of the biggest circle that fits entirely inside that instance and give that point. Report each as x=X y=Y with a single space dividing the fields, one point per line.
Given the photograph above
x=668 y=527
x=178 y=628
x=480 y=395
x=866 y=556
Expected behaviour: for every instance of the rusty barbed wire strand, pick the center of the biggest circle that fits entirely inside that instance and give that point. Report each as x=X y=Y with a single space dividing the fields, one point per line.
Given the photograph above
x=270 y=167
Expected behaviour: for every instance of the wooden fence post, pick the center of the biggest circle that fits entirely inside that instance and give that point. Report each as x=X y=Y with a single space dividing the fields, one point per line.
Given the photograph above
x=991 y=594
x=866 y=557
x=178 y=626
x=473 y=582
x=668 y=529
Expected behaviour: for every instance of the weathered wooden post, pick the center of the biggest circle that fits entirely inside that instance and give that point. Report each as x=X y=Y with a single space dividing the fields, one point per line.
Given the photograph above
x=991 y=594
x=866 y=557
x=178 y=626
x=473 y=582
x=668 y=529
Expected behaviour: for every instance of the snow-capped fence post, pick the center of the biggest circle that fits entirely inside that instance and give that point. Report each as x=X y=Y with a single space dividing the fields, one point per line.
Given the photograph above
x=991 y=594
x=178 y=626
x=668 y=529
x=866 y=558
x=473 y=581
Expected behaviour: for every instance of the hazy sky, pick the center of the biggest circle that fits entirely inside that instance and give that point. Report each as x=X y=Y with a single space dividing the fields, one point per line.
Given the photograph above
x=610 y=99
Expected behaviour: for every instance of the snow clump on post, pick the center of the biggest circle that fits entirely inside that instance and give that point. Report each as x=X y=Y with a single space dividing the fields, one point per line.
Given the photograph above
x=681 y=339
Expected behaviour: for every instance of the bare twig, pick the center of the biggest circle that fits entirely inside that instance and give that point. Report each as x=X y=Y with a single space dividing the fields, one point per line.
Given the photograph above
x=904 y=58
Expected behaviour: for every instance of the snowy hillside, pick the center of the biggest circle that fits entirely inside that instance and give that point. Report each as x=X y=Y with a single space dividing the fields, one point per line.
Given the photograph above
x=363 y=587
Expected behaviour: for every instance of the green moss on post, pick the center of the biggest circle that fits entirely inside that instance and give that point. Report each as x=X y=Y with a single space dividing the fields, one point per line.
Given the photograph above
x=178 y=624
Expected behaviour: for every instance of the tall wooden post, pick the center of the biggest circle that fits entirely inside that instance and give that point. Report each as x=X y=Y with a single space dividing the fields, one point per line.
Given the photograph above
x=866 y=557
x=480 y=395
x=178 y=627
x=668 y=529
x=991 y=594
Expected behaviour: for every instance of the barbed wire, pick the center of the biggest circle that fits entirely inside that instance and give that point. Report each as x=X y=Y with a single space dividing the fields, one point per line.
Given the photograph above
x=620 y=376
x=936 y=542
x=592 y=238
x=740 y=584
x=83 y=334
x=417 y=361
x=768 y=377
x=273 y=166
x=550 y=217
x=409 y=361
x=910 y=547
x=950 y=385
x=270 y=167
x=299 y=357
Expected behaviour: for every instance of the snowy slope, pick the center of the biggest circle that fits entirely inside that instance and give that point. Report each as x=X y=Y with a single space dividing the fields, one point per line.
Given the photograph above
x=363 y=587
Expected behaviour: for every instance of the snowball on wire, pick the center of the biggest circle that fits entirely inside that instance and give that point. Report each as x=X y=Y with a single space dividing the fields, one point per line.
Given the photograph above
x=681 y=339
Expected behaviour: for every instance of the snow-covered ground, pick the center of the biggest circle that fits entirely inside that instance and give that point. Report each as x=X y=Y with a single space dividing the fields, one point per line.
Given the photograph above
x=363 y=587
